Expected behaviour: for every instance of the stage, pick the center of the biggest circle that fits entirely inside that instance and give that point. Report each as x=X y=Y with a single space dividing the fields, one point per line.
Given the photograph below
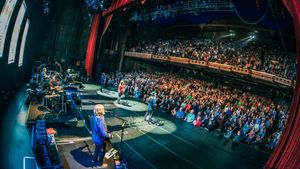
x=175 y=144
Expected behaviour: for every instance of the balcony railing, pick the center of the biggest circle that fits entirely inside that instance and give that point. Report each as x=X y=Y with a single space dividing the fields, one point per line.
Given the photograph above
x=217 y=66
x=206 y=6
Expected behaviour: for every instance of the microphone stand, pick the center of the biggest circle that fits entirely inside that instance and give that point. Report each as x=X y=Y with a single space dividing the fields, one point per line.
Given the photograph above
x=122 y=134
x=123 y=163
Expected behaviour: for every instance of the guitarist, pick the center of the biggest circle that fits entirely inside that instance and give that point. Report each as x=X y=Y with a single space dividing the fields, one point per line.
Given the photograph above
x=99 y=135
x=151 y=105
x=121 y=90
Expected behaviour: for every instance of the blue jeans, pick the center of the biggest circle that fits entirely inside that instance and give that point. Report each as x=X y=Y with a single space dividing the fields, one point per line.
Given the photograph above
x=99 y=153
x=119 y=98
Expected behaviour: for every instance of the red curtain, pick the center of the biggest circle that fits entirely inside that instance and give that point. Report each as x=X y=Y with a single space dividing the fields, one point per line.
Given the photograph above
x=90 y=50
x=287 y=153
x=116 y=4
x=107 y=22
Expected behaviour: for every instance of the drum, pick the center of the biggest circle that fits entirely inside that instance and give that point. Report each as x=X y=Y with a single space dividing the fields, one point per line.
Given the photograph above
x=51 y=99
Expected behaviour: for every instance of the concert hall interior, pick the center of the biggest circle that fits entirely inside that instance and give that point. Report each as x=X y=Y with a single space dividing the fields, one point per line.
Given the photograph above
x=150 y=84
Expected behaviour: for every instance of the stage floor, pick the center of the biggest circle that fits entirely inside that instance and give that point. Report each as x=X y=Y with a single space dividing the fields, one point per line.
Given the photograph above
x=176 y=144
x=78 y=155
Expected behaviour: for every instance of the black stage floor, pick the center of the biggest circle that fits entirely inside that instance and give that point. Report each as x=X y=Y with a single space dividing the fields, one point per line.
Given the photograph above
x=176 y=144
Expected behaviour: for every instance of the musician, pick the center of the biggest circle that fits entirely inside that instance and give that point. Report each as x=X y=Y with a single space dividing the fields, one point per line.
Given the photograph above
x=151 y=105
x=68 y=77
x=57 y=67
x=121 y=90
x=99 y=134
x=44 y=74
x=55 y=84
x=102 y=81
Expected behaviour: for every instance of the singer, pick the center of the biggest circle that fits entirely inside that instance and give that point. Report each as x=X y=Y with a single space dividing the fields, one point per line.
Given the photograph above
x=99 y=135
x=151 y=105
x=121 y=90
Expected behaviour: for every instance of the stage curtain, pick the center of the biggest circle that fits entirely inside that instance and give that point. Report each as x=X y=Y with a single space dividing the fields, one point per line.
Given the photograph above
x=90 y=50
x=287 y=153
x=117 y=4
x=106 y=23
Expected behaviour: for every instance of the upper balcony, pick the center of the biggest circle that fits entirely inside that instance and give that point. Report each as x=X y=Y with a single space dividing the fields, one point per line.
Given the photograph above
x=255 y=74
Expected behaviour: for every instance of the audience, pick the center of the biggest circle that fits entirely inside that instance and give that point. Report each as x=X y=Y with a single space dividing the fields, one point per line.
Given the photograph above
x=246 y=56
x=245 y=115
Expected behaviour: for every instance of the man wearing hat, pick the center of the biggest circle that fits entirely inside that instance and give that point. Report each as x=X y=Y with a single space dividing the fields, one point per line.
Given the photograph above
x=99 y=134
x=151 y=105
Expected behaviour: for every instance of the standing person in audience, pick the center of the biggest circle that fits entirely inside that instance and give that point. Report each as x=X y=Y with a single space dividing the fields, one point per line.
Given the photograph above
x=99 y=135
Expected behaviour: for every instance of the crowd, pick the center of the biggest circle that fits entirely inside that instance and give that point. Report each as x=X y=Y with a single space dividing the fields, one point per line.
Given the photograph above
x=226 y=52
x=242 y=115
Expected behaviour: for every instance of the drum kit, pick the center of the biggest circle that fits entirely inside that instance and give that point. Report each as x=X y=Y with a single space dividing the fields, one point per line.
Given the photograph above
x=50 y=88
x=55 y=102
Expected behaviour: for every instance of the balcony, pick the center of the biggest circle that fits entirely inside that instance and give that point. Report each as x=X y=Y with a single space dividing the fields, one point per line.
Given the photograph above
x=259 y=75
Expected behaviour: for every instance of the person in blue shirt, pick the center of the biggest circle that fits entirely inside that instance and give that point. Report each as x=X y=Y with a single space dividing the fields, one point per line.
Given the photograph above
x=151 y=106
x=102 y=81
x=180 y=113
x=99 y=134
x=44 y=75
